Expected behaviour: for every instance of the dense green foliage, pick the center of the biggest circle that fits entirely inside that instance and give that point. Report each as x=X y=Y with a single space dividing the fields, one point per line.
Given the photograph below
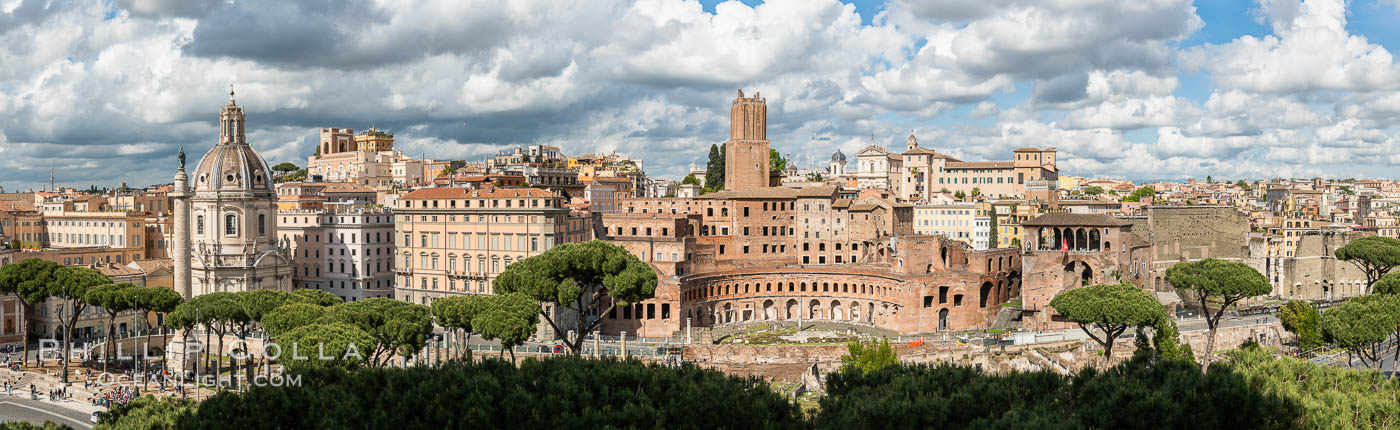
x=148 y=412
x=316 y=297
x=338 y=345
x=1218 y=281
x=1109 y=308
x=1374 y=255
x=540 y=394
x=29 y=280
x=510 y=318
x=1140 y=193
x=868 y=356
x=1093 y=190
x=690 y=180
x=285 y=167
x=1388 y=284
x=71 y=284
x=113 y=299
x=1249 y=389
x=1362 y=324
x=1144 y=392
x=589 y=278
x=1323 y=397
x=287 y=317
x=714 y=169
x=398 y=328
x=1303 y=320
x=776 y=162
x=1165 y=342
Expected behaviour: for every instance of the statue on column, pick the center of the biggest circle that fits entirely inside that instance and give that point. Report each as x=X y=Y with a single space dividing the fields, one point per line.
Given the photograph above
x=181 y=156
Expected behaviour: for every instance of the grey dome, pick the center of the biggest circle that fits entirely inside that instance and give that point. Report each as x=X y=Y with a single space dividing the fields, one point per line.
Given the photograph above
x=232 y=167
x=838 y=157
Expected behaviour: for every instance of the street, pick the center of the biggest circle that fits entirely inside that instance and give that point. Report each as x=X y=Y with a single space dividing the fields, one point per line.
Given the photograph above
x=35 y=411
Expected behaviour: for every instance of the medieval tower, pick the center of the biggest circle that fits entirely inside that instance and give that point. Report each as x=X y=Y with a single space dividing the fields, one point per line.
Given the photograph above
x=746 y=153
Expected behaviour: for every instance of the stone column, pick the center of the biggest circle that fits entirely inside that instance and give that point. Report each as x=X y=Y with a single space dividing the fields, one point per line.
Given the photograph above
x=181 y=246
x=624 y=345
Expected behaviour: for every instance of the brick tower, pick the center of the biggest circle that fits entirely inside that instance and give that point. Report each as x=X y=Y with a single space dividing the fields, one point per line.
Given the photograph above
x=746 y=153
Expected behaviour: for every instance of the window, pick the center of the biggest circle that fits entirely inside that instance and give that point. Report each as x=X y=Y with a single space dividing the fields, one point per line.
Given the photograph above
x=262 y=224
x=199 y=224
x=230 y=225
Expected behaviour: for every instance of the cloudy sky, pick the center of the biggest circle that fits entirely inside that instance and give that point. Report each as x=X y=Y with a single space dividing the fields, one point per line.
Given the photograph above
x=108 y=90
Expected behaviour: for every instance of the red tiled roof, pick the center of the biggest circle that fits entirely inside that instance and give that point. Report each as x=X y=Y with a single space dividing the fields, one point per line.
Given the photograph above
x=464 y=193
x=979 y=165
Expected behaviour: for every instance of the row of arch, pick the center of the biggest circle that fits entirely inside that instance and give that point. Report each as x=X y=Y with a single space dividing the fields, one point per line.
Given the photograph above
x=1072 y=238
x=792 y=309
x=729 y=289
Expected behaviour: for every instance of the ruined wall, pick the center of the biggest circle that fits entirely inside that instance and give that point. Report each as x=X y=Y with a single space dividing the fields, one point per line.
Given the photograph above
x=1189 y=233
x=1314 y=272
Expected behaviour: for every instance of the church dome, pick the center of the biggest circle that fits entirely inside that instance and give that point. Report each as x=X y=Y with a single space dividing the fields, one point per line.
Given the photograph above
x=232 y=165
x=838 y=157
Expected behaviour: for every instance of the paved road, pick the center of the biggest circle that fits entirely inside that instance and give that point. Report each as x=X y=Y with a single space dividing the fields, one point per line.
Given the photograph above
x=35 y=411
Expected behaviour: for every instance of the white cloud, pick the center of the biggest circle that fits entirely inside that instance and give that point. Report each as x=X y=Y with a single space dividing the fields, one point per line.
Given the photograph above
x=1310 y=49
x=127 y=82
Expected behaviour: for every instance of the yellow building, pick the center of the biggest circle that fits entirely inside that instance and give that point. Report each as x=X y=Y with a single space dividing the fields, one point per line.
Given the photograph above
x=1070 y=182
x=374 y=140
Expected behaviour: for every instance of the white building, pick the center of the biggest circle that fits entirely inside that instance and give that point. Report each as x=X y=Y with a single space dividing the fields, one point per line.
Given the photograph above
x=407 y=171
x=877 y=168
x=226 y=228
x=348 y=253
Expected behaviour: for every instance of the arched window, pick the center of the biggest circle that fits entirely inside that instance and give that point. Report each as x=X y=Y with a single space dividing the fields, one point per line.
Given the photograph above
x=230 y=225
x=199 y=224
x=262 y=224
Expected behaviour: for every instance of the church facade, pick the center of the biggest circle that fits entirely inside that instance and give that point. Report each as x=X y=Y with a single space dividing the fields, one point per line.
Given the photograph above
x=226 y=218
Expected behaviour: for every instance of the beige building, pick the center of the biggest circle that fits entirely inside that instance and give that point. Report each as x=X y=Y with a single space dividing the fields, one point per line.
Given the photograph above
x=953 y=221
x=81 y=229
x=456 y=240
x=919 y=173
x=367 y=158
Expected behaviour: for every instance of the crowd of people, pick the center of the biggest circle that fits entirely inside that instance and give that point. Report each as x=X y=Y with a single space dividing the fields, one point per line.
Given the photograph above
x=116 y=396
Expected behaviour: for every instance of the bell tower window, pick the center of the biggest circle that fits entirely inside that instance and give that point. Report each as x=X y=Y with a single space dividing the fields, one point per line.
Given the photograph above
x=262 y=224
x=199 y=224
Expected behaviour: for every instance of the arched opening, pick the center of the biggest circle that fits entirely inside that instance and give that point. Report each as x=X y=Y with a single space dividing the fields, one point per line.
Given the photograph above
x=728 y=313
x=1094 y=239
x=814 y=309
x=770 y=312
x=1087 y=276
x=1081 y=240
x=986 y=293
x=791 y=309
x=943 y=256
x=855 y=312
x=943 y=319
x=836 y=312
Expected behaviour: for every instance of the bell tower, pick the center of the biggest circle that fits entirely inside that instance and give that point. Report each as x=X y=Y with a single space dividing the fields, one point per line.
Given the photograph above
x=746 y=153
x=231 y=123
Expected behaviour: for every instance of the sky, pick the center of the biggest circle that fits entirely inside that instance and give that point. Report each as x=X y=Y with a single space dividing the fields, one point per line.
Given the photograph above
x=104 y=91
